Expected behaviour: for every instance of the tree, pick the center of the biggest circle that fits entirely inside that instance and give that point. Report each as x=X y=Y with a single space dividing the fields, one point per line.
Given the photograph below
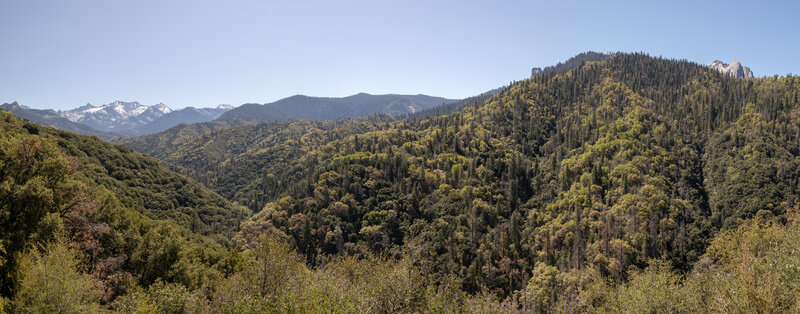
x=33 y=184
x=50 y=281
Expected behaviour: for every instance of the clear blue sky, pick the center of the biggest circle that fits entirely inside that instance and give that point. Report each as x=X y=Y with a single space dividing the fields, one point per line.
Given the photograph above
x=63 y=54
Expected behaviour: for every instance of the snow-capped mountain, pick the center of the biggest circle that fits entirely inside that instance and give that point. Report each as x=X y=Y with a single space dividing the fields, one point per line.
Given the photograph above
x=133 y=118
x=116 y=116
x=50 y=117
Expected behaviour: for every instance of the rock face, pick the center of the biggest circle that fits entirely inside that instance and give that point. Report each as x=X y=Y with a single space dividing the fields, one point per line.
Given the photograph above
x=734 y=69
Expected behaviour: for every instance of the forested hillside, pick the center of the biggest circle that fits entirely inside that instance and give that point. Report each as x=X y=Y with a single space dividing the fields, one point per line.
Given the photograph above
x=116 y=215
x=583 y=175
x=84 y=228
x=633 y=184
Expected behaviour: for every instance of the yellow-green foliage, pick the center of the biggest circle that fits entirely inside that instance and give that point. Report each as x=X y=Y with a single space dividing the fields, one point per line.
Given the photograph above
x=273 y=277
x=51 y=281
x=750 y=269
x=57 y=185
x=754 y=268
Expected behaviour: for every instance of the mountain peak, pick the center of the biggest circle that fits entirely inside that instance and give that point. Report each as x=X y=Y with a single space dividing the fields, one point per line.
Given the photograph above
x=15 y=105
x=116 y=116
x=162 y=108
x=735 y=69
x=11 y=107
x=125 y=104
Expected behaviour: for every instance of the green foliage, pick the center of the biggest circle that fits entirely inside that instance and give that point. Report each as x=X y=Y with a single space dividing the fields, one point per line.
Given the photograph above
x=634 y=184
x=750 y=269
x=57 y=185
x=34 y=185
x=655 y=289
x=542 y=289
x=50 y=281
x=140 y=181
x=159 y=298
x=275 y=278
x=750 y=170
x=593 y=172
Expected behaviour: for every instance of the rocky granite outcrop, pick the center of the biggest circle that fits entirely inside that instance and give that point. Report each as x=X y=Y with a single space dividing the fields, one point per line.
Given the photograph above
x=734 y=69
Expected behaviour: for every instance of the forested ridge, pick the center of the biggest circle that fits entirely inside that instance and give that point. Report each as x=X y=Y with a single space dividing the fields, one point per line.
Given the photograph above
x=593 y=170
x=635 y=184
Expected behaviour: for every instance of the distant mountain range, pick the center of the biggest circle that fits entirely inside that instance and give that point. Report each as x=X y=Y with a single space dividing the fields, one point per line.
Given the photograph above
x=52 y=118
x=300 y=107
x=121 y=119
x=116 y=116
x=133 y=118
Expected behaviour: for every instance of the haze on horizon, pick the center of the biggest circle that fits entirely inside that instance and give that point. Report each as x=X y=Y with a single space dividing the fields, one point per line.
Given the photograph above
x=61 y=55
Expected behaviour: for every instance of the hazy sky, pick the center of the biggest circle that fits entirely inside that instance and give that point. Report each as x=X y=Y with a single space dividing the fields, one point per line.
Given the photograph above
x=63 y=54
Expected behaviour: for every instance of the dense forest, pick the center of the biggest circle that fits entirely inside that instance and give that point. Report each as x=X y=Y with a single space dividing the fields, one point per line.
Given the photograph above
x=632 y=184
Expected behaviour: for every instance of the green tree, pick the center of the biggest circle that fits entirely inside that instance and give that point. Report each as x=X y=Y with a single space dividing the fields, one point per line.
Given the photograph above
x=50 y=281
x=33 y=184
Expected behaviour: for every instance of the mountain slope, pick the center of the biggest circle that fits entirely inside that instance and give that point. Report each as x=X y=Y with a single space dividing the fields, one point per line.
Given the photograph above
x=123 y=218
x=587 y=173
x=51 y=118
x=598 y=169
x=158 y=192
x=631 y=184
x=188 y=115
x=156 y=143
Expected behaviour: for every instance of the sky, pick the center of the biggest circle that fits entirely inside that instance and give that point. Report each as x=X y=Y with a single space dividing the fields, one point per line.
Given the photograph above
x=63 y=54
